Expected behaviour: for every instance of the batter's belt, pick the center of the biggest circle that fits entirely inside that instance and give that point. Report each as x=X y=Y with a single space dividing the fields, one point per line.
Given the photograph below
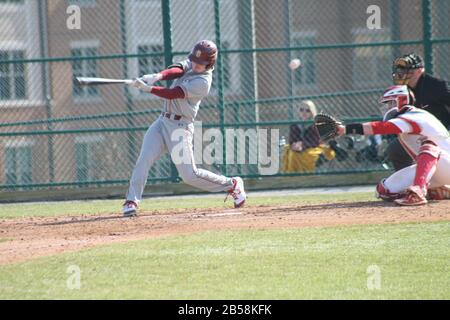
x=171 y=116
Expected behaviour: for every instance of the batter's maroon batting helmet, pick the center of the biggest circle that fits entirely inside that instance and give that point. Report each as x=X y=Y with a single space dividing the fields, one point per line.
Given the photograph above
x=204 y=53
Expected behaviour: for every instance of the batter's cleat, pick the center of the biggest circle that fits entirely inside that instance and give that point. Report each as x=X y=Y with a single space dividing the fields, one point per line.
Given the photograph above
x=238 y=192
x=129 y=208
x=415 y=196
x=439 y=193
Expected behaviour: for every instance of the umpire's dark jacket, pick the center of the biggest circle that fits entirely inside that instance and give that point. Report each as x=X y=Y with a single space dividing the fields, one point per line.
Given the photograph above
x=433 y=95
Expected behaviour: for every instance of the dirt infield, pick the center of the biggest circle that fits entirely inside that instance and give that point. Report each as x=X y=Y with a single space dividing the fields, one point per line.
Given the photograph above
x=28 y=238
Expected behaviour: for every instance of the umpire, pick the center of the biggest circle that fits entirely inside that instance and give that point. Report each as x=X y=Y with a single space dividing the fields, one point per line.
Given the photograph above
x=432 y=94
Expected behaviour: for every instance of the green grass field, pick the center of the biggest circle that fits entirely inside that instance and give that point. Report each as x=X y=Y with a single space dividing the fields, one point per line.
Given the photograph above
x=398 y=261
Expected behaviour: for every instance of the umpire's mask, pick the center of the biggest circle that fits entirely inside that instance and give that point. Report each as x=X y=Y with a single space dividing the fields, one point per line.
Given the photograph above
x=404 y=67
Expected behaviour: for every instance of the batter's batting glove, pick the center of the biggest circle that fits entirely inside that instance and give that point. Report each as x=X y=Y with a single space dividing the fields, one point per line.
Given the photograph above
x=150 y=79
x=141 y=85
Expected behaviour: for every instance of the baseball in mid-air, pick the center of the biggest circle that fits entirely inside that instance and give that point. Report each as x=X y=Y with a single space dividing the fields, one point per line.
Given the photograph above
x=294 y=64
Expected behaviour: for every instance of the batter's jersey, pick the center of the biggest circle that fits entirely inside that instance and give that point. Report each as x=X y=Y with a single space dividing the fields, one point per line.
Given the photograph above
x=196 y=86
x=418 y=125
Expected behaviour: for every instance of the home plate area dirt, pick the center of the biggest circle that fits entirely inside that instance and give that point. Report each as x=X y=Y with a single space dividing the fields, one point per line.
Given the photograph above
x=33 y=237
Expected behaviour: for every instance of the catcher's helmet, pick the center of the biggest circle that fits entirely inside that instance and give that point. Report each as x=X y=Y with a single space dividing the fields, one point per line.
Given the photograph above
x=204 y=53
x=403 y=66
x=399 y=97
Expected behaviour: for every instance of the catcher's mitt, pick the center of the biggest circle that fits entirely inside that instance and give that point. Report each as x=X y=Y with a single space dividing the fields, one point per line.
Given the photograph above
x=327 y=126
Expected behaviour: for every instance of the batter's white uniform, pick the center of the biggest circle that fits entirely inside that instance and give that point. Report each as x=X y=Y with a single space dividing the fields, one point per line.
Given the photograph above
x=418 y=125
x=158 y=138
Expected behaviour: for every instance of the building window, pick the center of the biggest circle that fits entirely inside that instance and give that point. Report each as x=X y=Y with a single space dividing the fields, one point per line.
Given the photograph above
x=152 y=64
x=307 y=75
x=84 y=68
x=84 y=161
x=371 y=65
x=18 y=165
x=89 y=158
x=12 y=76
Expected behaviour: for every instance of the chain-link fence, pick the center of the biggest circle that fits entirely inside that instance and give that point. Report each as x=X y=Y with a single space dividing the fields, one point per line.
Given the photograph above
x=56 y=134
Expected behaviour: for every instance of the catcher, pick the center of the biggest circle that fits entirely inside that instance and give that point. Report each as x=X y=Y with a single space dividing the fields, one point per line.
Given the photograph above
x=423 y=136
x=431 y=93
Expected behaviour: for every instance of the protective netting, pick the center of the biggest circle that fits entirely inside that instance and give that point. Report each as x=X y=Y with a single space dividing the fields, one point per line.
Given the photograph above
x=56 y=134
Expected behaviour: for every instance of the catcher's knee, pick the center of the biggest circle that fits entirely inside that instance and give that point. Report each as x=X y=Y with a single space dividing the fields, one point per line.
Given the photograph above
x=430 y=148
x=382 y=192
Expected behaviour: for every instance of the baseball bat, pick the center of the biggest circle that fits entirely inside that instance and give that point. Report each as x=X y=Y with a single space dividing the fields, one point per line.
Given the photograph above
x=86 y=81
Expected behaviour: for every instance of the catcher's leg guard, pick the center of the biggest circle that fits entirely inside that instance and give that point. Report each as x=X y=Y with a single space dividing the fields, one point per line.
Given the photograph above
x=426 y=163
x=381 y=192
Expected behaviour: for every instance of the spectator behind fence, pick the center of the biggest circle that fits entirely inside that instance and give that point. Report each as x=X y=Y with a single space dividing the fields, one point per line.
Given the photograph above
x=304 y=148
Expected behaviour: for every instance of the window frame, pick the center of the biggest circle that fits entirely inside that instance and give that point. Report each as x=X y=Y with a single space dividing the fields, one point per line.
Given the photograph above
x=22 y=152
x=88 y=142
x=139 y=94
x=12 y=76
x=308 y=62
x=373 y=68
x=92 y=93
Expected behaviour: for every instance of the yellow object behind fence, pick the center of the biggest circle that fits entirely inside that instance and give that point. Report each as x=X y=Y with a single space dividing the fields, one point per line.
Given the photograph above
x=304 y=161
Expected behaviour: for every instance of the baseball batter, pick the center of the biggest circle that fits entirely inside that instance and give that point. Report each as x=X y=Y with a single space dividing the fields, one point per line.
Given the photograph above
x=174 y=129
x=426 y=140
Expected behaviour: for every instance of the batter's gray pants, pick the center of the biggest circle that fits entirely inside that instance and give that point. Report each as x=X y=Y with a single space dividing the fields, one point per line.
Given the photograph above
x=165 y=135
